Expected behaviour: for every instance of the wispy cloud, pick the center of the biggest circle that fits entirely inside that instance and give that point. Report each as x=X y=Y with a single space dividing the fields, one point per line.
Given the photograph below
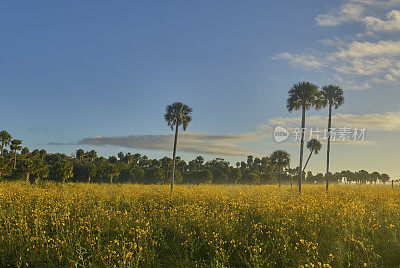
x=389 y=121
x=362 y=63
x=193 y=142
x=304 y=61
x=350 y=11
x=391 y=24
x=38 y=129
x=355 y=11
x=59 y=143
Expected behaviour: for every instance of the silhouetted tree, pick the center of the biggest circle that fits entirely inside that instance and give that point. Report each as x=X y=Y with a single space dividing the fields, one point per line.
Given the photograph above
x=332 y=96
x=303 y=96
x=177 y=114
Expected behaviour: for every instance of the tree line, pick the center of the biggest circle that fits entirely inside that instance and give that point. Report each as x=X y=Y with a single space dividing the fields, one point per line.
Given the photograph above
x=17 y=162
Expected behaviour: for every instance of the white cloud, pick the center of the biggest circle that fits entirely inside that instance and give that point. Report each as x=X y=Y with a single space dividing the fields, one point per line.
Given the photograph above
x=350 y=11
x=369 y=49
x=356 y=65
x=193 y=142
x=357 y=11
x=305 y=61
x=389 y=121
x=392 y=23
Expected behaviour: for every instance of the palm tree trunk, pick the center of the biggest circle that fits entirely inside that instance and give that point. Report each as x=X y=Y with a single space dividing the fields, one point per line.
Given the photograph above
x=303 y=125
x=27 y=178
x=2 y=147
x=173 y=155
x=15 y=159
x=329 y=145
x=308 y=159
x=89 y=179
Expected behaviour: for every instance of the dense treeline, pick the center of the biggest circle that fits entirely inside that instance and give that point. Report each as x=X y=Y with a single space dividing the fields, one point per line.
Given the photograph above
x=19 y=163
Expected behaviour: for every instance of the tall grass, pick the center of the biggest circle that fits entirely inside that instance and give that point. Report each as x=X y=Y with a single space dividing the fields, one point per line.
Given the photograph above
x=83 y=225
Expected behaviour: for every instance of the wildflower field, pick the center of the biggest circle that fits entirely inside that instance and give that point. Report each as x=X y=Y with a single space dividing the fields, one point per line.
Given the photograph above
x=99 y=225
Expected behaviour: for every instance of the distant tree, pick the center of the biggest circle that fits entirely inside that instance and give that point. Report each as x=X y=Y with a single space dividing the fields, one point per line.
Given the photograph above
x=40 y=169
x=90 y=171
x=63 y=170
x=363 y=176
x=92 y=155
x=112 y=159
x=5 y=139
x=243 y=165
x=15 y=147
x=374 y=176
x=280 y=159
x=80 y=154
x=144 y=161
x=136 y=158
x=182 y=166
x=35 y=153
x=314 y=146
x=310 y=176
x=200 y=160
x=257 y=163
x=111 y=171
x=219 y=176
x=236 y=175
x=303 y=96
x=332 y=96
x=253 y=178
x=25 y=151
x=5 y=167
x=384 y=178
x=177 y=114
x=121 y=156
x=27 y=166
x=238 y=164
x=155 y=175
x=43 y=153
x=250 y=160
x=319 y=178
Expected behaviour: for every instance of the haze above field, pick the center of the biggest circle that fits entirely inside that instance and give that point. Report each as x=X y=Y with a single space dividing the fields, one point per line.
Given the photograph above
x=74 y=71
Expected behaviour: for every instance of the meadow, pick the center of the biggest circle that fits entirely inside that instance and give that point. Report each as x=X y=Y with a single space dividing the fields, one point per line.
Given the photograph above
x=125 y=225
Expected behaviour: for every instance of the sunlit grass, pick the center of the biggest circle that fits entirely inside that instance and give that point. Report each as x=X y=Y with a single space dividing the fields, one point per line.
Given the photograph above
x=145 y=225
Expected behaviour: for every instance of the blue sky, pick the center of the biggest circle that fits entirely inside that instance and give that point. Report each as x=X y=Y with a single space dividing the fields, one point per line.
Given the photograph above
x=73 y=70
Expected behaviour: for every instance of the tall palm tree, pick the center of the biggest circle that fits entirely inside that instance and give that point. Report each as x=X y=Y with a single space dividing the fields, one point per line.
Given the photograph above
x=177 y=114
x=314 y=146
x=332 y=96
x=280 y=159
x=15 y=146
x=303 y=96
x=5 y=139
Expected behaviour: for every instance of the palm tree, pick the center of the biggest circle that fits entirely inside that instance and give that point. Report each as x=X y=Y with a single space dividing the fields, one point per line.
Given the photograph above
x=314 y=146
x=5 y=139
x=177 y=114
x=303 y=96
x=280 y=159
x=333 y=97
x=15 y=146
